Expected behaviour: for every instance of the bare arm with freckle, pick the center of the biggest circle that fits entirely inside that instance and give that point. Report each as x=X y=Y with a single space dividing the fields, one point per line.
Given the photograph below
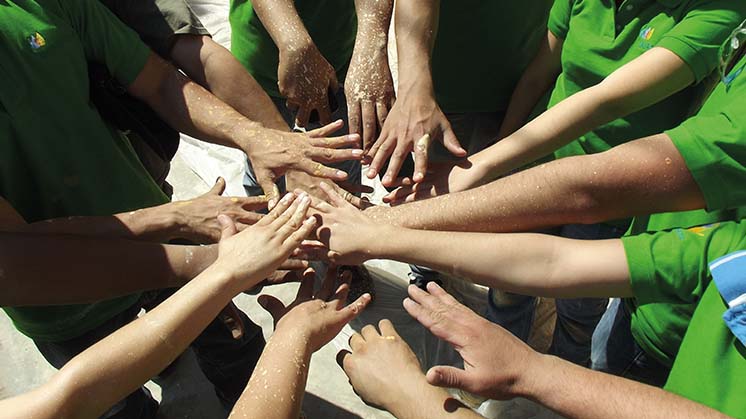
x=641 y=177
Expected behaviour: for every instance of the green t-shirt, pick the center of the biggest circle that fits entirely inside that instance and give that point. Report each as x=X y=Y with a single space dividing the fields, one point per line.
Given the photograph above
x=481 y=50
x=669 y=275
x=599 y=38
x=710 y=367
x=57 y=156
x=332 y=24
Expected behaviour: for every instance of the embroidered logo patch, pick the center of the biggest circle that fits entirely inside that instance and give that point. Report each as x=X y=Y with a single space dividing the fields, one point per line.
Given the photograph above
x=37 y=41
x=645 y=35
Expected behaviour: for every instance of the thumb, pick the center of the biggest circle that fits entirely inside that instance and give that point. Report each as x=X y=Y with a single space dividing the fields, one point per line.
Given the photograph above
x=452 y=144
x=444 y=376
x=274 y=306
x=227 y=226
x=218 y=188
x=267 y=183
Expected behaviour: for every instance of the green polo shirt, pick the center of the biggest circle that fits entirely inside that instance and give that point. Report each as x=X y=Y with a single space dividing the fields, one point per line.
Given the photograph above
x=710 y=367
x=481 y=50
x=713 y=145
x=600 y=38
x=57 y=156
x=332 y=25
x=671 y=268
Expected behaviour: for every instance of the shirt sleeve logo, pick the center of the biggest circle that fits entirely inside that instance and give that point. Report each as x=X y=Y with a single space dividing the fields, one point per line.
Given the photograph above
x=36 y=41
x=645 y=35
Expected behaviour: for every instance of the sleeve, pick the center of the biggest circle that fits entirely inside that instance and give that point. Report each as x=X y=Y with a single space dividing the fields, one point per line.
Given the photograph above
x=158 y=21
x=714 y=150
x=671 y=266
x=106 y=39
x=697 y=38
x=559 y=18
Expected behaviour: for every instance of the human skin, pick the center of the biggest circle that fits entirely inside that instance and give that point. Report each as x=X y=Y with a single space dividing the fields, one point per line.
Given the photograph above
x=644 y=176
x=369 y=88
x=628 y=89
x=408 y=396
x=523 y=263
x=415 y=119
x=516 y=370
x=278 y=384
x=109 y=370
x=191 y=109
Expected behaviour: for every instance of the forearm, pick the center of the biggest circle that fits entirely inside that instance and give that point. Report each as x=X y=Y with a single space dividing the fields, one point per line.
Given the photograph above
x=427 y=401
x=50 y=270
x=277 y=386
x=416 y=26
x=373 y=20
x=216 y=69
x=523 y=263
x=117 y=365
x=579 y=393
x=575 y=190
x=282 y=22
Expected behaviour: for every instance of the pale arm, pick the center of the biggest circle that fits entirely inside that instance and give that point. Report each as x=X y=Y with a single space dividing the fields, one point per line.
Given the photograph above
x=576 y=190
x=630 y=88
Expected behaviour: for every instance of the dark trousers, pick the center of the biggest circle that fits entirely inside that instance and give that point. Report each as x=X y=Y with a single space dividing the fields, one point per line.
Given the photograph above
x=225 y=361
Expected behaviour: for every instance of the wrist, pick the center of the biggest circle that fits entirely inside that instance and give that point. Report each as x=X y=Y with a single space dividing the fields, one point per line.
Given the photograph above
x=246 y=133
x=530 y=381
x=427 y=401
x=163 y=223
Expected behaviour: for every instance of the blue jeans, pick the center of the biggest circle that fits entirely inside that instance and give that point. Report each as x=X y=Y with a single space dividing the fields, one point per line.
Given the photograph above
x=576 y=317
x=351 y=167
x=615 y=351
x=227 y=362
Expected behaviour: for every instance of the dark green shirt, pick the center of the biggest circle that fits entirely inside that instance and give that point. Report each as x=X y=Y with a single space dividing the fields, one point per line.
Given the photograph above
x=57 y=156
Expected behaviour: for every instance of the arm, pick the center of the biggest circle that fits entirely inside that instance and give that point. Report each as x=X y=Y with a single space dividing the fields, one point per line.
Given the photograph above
x=530 y=264
x=369 y=87
x=304 y=76
x=194 y=219
x=576 y=190
x=301 y=329
x=537 y=79
x=518 y=371
x=415 y=119
x=116 y=366
x=191 y=109
x=374 y=356
x=630 y=88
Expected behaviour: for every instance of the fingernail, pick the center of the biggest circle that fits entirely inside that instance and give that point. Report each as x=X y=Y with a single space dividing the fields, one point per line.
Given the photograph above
x=371 y=173
x=310 y=220
x=271 y=203
x=357 y=153
x=305 y=199
x=287 y=197
x=386 y=179
x=340 y=173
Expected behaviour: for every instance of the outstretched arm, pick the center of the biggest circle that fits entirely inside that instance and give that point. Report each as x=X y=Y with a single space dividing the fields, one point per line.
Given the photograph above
x=106 y=372
x=576 y=190
x=518 y=371
x=524 y=263
x=277 y=386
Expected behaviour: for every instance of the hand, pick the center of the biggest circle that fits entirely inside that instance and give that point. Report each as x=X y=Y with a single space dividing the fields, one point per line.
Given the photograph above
x=443 y=178
x=317 y=317
x=252 y=255
x=374 y=357
x=273 y=153
x=307 y=80
x=300 y=181
x=346 y=231
x=497 y=363
x=197 y=221
x=369 y=87
x=414 y=121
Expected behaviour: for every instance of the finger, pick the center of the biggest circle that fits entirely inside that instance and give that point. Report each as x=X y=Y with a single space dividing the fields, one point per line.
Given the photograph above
x=397 y=159
x=325 y=114
x=330 y=155
x=218 y=188
x=445 y=376
x=274 y=306
x=420 y=296
x=350 y=140
x=278 y=210
x=228 y=227
x=381 y=154
x=356 y=342
x=452 y=144
x=334 y=198
x=369 y=123
x=231 y=318
x=319 y=170
x=421 y=156
x=354 y=119
x=417 y=312
x=369 y=332
x=266 y=180
x=353 y=310
x=398 y=194
x=437 y=291
x=355 y=187
x=248 y=218
x=326 y=130
x=329 y=283
x=340 y=297
x=382 y=112
x=301 y=118
x=343 y=359
x=300 y=234
x=305 y=291
x=293 y=265
x=296 y=221
x=251 y=203
x=283 y=218
x=387 y=328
